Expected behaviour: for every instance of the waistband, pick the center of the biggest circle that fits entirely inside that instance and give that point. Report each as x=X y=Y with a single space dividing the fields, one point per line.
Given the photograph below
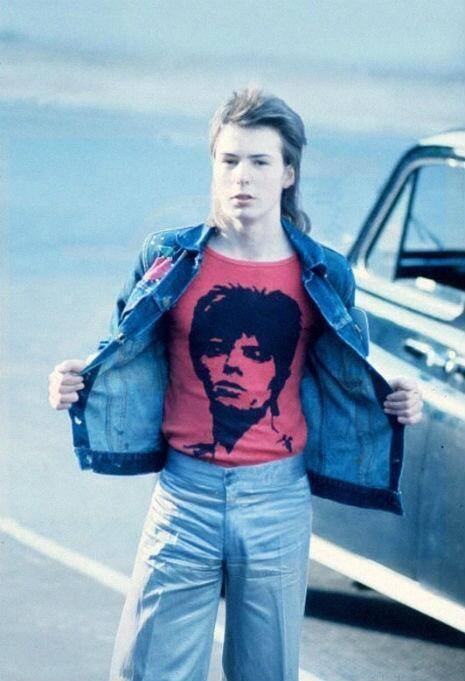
x=280 y=472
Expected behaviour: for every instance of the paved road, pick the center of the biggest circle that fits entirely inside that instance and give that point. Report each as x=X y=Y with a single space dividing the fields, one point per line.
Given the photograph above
x=59 y=624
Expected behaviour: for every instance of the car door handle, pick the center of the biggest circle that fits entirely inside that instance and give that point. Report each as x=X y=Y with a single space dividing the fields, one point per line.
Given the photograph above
x=423 y=351
x=451 y=362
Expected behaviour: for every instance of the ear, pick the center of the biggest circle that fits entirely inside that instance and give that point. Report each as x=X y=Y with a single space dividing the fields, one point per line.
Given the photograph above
x=289 y=177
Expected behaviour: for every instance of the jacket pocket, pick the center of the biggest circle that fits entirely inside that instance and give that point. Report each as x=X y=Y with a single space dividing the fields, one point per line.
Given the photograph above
x=342 y=362
x=356 y=435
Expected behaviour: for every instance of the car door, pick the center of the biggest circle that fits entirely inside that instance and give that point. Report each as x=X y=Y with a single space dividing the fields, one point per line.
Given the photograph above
x=411 y=281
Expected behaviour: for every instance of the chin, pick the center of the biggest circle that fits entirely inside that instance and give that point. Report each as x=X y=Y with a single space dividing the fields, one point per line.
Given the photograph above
x=245 y=216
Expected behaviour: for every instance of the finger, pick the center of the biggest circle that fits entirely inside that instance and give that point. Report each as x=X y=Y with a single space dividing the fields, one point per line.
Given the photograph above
x=410 y=420
x=396 y=401
x=404 y=404
x=69 y=389
x=59 y=406
x=58 y=402
x=403 y=383
x=403 y=395
x=405 y=413
x=62 y=407
x=70 y=365
x=416 y=406
x=57 y=378
x=69 y=398
x=72 y=381
x=403 y=409
x=398 y=396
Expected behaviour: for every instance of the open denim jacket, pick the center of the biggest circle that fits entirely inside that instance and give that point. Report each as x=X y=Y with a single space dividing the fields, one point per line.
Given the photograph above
x=353 y=451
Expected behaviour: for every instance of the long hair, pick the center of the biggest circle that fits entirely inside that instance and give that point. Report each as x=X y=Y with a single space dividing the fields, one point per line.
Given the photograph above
x=228 y=312
x=252 y=108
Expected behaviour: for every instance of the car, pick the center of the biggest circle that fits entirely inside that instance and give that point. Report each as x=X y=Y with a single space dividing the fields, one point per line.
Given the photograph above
x=409 y=264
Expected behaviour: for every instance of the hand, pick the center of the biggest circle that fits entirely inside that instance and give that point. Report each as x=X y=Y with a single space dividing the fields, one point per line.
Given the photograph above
x=405 y=402
x=64 y=382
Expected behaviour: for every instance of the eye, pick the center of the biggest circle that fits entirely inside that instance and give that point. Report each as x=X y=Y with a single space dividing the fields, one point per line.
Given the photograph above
x=255 y=353
x=229 y=161
x=214 y=349
x=261 y=163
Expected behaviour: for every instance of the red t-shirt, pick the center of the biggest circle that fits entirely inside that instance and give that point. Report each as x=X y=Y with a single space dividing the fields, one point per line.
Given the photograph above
x=237 y=343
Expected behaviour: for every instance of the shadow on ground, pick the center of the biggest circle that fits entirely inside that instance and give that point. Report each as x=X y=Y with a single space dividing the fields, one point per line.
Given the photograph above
x=370 y=610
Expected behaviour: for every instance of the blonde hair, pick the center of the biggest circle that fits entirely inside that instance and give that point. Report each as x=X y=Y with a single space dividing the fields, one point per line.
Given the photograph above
x=252 y=108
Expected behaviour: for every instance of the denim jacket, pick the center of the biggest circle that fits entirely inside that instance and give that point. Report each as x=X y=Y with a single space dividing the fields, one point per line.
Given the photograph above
x=354 y=450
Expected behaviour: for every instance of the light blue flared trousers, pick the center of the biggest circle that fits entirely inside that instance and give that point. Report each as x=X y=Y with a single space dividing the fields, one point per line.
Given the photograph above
x=250 y=524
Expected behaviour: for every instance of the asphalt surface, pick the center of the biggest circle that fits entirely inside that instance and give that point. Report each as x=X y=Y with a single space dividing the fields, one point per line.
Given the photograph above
x=57 y=624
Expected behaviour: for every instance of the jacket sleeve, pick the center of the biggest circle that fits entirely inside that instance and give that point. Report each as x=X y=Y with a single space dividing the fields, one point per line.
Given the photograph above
x=140 y=266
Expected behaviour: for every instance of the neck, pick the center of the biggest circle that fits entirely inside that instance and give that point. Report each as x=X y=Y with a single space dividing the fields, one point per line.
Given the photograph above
x=262 y=240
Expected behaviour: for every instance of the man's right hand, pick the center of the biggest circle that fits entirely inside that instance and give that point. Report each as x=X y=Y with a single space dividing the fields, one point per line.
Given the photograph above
x=64 y=382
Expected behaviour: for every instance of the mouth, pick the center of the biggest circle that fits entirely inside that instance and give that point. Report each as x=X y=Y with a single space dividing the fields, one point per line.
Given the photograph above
x=228 y=384
x=243 y=197
x=227 y=390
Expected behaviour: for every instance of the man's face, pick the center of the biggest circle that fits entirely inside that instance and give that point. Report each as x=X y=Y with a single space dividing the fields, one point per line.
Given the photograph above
x=249 y=174
x=239 y=373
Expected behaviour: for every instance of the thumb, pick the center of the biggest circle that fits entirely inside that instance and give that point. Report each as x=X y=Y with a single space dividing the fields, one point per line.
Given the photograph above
x=70 y=365
x=403 y=383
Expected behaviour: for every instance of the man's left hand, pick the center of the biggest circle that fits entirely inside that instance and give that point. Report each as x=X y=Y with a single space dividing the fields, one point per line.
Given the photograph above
x=405 y=402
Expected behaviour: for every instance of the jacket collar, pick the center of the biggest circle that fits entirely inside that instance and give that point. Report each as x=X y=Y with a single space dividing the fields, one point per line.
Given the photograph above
x=310 y=251
x=195 y=238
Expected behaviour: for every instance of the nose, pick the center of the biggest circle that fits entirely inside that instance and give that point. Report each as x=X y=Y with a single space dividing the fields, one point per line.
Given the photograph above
x=232 y=361
x=242 y=173
x=228 y=370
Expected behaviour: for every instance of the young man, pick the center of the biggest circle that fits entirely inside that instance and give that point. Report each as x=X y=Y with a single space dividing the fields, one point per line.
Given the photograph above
x=235 y=367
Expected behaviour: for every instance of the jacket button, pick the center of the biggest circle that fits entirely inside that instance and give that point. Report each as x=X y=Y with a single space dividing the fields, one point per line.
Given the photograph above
x=120 y=338
x=165 y=301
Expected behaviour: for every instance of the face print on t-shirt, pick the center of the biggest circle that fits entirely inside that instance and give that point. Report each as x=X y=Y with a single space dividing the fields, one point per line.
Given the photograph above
x=237 y=346
x=242 y=342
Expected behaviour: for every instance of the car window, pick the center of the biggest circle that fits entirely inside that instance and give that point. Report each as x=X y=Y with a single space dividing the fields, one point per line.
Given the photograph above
x=382 y=257
x=421 y=245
